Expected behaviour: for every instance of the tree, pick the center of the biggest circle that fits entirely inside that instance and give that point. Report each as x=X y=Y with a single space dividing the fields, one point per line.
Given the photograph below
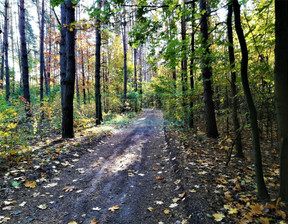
x=5 y=42
x=98 y=68
x=191 y=118
x=42 y=62
x=211 y=127
x=24 y=56
x=184 y=69
x=261 y=187
x=236 y=125
x=69 y=79
x=281 y=90
x=125 y=59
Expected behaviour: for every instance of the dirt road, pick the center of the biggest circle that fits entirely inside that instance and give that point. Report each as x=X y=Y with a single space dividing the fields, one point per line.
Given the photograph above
x=127 y=178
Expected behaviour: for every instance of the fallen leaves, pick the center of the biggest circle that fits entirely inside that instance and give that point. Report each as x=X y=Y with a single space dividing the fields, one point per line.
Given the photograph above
x=68 y=188
x=166 y=211
x=113 y=208
x=218 y=217
x=94 y=221
x=159 y=178
x=150 y=209
x=42 y=207
x=30 y=184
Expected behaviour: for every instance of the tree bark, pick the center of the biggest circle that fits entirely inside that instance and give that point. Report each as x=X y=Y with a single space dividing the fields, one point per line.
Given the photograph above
x=2 y=65
x=281 y=90
x=125 y=61
x=211 y=126
x=42 y=52
x=83 y=77
x=135 y=69
x=69 y=80
x=24 y=57
x=235 y=104
x=191 y=116
x=98 y=69
x=7 y=81
x=261 y=187
x=184 y=69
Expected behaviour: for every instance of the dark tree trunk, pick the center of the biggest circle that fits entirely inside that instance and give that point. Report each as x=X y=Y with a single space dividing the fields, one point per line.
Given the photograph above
x=24 y=57
x=261 y=187
x=83 y=77
x=42 y=51
x=6 y=51
x=98 y=69
x=63 y=50
x=125 y=62
x=281 y=90
x=69 y=80
x=191 y=117
x=184 y=77
x=236 y=125
x=211 y=127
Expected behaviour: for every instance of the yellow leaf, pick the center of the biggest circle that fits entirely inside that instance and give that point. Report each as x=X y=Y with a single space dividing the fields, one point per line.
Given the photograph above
x=166 y=211
x=232 y=211
x=31 y=184
x=6 y=219
x=112 y=209
x=263 y=220
x=71 y=29
x=72 y=223
x=94 y=221
x=218 y=216
x=256 y=209
x=159 y=178
x=281 y=213
x=150 y=209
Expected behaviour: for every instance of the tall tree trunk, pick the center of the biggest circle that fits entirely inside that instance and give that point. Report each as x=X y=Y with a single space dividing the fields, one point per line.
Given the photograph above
x=13 y=50
x=211 y=127
x=98 y=69
x=191 y=116
x=261 y=187
x=6 y=51
x=42 y=50
x=281 y=90
x=135 y=69
x=236 y=125
x=140 y=77
x=63 y=50
x=69 y=80
x=83 y=77
x=2 y=65
x=125 y=61
x=184 y=77
x=24 y=57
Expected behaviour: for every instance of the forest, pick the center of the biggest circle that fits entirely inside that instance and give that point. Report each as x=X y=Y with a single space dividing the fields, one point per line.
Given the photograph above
x=190 y=96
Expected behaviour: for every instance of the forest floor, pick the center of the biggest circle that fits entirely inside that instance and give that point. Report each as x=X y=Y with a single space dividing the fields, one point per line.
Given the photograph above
x=128 y=177
x=137 y=174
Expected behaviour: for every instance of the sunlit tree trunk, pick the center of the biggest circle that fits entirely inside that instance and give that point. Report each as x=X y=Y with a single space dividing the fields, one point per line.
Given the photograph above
x=24 y=56
x=125 y=60
x=7 y=75
x=42 y=62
